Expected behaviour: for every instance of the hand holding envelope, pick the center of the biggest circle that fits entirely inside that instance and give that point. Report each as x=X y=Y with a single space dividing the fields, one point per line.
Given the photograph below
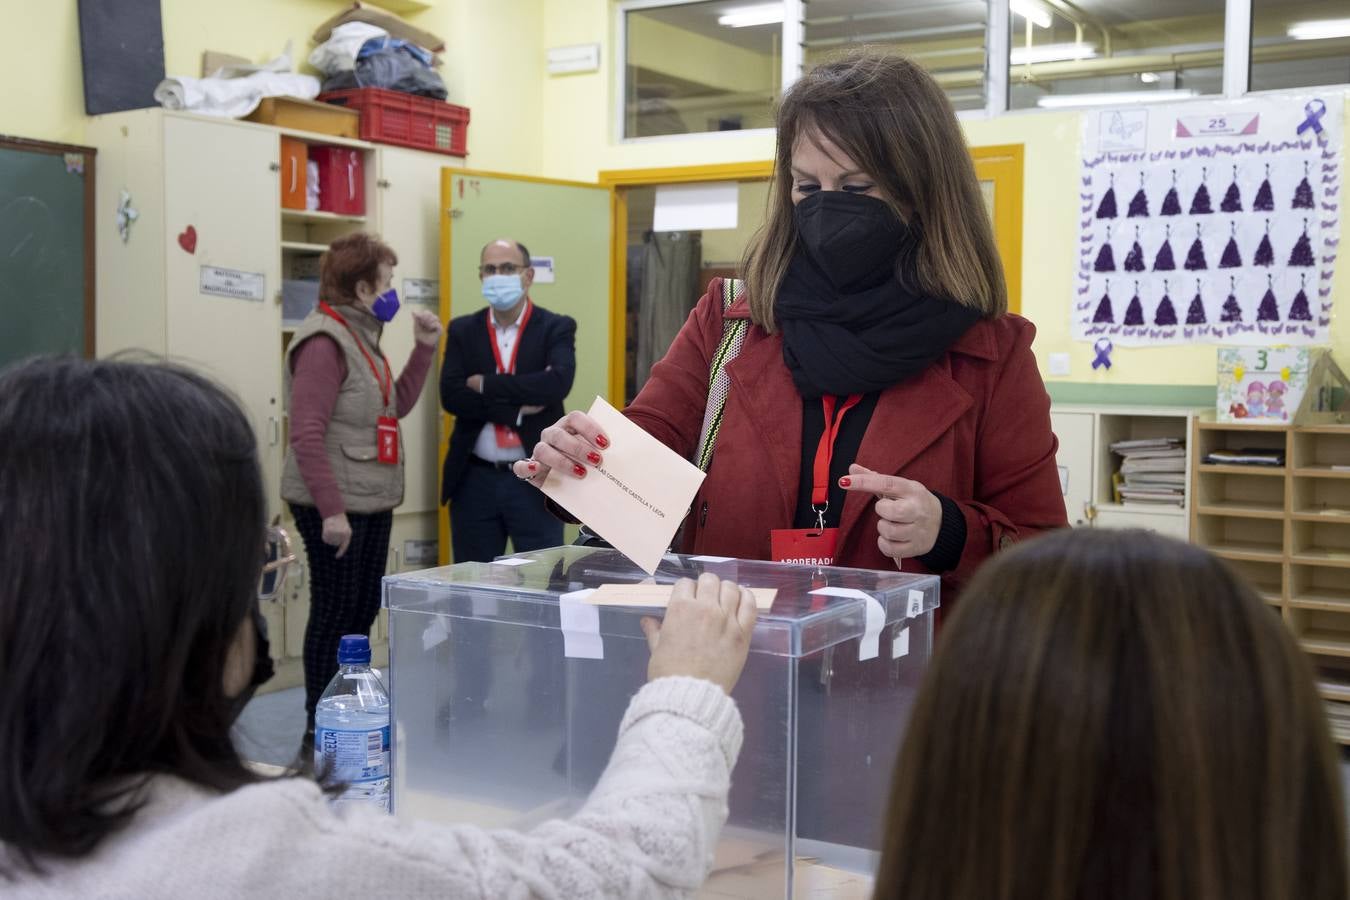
x=634 y=496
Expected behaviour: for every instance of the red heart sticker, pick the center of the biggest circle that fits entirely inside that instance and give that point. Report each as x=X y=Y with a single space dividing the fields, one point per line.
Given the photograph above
x=188 y=239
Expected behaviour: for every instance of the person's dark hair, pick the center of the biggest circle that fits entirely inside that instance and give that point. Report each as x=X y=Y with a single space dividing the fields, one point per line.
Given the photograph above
x=1115 y=716
x=351 y=259
x=894 y=121
x=526 y=262
x=131 y=541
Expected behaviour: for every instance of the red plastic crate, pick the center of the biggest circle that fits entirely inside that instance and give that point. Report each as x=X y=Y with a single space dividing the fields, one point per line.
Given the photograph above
x=393 y=117
x=342 y=179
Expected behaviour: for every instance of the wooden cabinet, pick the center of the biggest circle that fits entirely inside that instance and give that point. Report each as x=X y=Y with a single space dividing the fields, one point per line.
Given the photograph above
x=199 y=281
x=1287 y=530
x=232 y=178
x=1087 y=465
x=1075 y=431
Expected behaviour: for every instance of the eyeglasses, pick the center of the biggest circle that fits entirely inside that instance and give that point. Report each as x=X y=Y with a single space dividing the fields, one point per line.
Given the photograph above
x=278 y=557
x=501 y=269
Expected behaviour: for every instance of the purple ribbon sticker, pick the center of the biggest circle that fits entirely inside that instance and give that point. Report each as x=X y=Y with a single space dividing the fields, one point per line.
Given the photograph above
x=1103 y=350
x=1315 y=109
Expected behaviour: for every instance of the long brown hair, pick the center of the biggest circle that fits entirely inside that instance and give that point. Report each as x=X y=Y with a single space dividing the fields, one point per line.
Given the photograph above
x=1115 y=716
x=893 y=120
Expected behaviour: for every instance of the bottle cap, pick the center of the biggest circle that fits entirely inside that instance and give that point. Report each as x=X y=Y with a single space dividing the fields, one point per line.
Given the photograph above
x=353 y=649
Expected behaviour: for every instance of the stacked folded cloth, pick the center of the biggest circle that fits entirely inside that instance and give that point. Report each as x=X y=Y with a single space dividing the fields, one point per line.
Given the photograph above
x=234 y=92
x=1152 y=472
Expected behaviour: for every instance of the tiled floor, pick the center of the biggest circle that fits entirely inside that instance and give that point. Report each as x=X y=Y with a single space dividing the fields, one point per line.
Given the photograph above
x=270 y=727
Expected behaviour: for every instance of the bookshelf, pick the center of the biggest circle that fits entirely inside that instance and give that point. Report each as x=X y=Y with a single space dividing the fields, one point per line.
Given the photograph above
x=1287 y=530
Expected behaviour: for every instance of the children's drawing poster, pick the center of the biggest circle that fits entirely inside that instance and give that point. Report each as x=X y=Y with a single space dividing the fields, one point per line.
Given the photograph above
x=1209 y=222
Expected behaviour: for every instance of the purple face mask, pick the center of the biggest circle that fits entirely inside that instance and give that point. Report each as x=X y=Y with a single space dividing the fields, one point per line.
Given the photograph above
x=385 y=306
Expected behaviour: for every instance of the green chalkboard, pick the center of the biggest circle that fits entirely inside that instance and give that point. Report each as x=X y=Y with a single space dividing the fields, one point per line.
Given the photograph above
x=46 y=249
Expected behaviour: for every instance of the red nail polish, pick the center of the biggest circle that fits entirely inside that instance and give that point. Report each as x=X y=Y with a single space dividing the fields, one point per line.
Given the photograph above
x=594 y=458
x=845 y=481
x=580 y=471
x=602 y=441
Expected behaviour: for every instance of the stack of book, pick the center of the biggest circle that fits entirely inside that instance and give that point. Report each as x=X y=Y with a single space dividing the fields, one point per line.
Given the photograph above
x=1152 y=472
x=1252 y=456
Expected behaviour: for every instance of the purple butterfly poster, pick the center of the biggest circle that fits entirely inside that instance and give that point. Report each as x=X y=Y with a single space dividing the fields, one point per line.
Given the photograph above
x=1231 y=205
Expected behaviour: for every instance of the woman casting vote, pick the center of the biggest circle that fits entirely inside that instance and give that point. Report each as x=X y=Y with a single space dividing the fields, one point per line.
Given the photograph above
x=882 y=407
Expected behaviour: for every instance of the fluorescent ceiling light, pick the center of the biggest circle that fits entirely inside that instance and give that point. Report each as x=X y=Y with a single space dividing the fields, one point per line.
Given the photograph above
x=745 y=16
x=1148 y=77
x=1033 y=11
x=1324 y=28
x=1060 y=101
x=1052 y=53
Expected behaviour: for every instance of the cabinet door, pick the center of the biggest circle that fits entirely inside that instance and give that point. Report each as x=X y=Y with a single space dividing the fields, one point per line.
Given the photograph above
x=1075 y=432
x=222 y=216
x=409 y=201
x=412 y=543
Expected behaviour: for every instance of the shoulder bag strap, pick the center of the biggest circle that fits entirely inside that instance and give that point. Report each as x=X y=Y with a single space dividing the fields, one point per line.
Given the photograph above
x=733 y=335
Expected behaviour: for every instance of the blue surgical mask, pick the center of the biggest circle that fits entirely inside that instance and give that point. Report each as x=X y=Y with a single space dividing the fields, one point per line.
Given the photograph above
x=503 y=292
x=385 y=306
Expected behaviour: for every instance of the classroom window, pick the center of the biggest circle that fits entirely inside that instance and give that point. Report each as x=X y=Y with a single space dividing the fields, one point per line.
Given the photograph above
x=947 y=37
x=1114 y=51
x=700 y=67
x=1299 y=44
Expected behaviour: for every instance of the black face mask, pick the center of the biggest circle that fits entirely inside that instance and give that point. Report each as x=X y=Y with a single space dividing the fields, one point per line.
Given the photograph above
x=853 y=239
x=263 y=669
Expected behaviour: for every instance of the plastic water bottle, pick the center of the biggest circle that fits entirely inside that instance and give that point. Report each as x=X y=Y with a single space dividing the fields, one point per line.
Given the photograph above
x=351 y=728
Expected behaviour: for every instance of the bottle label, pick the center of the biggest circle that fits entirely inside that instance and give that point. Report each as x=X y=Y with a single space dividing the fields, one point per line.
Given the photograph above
x=352 y=755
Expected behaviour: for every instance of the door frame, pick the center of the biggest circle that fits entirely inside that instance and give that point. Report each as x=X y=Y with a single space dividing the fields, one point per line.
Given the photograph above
x=618 y=181
x=445 y=420
x=1001 y=164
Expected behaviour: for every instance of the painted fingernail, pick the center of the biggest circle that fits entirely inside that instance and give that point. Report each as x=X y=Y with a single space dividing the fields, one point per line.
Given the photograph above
x=580 y=471
x=845 y=481
x=602 y=441
x=594 y=458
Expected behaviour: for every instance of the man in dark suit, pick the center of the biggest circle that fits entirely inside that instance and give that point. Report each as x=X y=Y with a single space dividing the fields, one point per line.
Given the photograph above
x=507 y=369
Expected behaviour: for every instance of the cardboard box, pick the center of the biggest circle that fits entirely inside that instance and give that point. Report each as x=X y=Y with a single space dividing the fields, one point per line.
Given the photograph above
x=308 y=115
x=374 y=15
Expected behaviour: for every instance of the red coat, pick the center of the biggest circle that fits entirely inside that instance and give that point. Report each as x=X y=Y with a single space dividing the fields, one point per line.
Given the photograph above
x=974 y=426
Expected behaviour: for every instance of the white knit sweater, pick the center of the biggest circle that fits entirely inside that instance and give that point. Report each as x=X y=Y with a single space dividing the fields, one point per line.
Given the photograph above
x=648 y=830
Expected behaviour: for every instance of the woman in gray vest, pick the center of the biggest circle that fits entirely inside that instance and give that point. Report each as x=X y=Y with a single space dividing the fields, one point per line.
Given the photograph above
x=344 y=473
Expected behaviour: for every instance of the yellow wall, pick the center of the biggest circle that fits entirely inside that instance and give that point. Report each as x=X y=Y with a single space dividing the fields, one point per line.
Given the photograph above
x=563 y=126
x=493 y=63
x=579 y=117
x=579 y=141
x=42 y=95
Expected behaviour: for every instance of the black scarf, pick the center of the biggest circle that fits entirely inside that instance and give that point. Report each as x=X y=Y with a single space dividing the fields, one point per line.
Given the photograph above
x=864 y=340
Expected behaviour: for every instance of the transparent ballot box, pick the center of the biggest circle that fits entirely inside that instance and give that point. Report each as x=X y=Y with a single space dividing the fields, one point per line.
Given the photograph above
x=505 y=717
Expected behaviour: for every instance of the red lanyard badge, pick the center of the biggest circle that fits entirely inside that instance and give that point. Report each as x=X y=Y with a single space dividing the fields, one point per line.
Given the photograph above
x=820 y=472
x=509 y=369
x=507 y=437
x=807 y=546
x=386 y=427
x=387 y=382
